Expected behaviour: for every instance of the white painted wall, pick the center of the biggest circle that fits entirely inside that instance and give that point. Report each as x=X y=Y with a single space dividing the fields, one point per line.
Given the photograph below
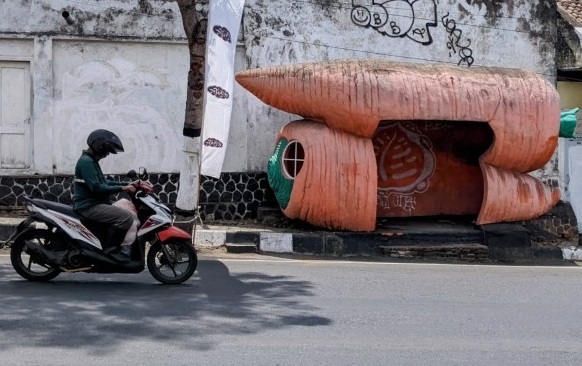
x=136 y=90
x=575 y=177
x=121 y=66
x=570 y=150
x=239 y=139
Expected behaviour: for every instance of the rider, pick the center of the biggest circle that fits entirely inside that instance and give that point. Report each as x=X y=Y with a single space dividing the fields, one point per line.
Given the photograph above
x=93 y=194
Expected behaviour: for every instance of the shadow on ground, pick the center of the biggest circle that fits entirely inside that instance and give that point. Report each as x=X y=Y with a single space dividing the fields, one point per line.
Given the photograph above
x=95 y=312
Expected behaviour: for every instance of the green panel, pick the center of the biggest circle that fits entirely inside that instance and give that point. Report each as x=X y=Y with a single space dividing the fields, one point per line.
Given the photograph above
x=568 y=122
x=282 y=186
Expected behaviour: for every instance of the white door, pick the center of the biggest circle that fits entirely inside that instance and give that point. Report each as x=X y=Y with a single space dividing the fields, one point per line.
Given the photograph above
x=15 y=144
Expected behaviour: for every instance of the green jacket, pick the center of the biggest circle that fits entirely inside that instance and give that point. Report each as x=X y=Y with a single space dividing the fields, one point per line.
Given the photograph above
x=90 y=187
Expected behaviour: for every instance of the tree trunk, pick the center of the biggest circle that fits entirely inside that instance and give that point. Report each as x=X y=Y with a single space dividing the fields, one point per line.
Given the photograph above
x=195 y=29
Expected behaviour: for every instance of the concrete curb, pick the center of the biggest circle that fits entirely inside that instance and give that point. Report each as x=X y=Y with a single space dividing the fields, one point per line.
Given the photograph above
x=501 y=243
x=463 y=246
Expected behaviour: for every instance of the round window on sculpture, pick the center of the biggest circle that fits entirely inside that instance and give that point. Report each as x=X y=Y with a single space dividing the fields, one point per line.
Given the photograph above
x=293 y=158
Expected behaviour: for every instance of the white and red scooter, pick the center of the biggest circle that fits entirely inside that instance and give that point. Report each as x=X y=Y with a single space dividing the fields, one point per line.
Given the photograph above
x=54 y=239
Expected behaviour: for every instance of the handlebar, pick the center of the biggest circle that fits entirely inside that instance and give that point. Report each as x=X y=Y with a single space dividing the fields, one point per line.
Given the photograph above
x=138 y=187
x=142 y=191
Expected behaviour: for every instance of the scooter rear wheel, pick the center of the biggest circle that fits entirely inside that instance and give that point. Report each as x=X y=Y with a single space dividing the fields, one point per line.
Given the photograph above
x=172 y=262
x=27 y=265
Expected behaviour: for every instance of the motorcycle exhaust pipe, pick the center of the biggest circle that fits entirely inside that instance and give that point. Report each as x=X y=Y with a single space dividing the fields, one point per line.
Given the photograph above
x=49 y=258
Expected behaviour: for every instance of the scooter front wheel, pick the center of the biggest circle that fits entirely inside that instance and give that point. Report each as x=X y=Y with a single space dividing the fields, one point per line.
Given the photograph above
x=172 y=262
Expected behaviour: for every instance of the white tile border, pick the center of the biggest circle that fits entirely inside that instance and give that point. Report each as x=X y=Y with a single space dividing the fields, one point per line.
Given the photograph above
x=210 y=238
x=276 y=242
x=572 y=253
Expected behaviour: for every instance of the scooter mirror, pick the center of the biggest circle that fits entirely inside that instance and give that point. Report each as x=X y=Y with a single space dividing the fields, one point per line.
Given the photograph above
x=132 y=174
x=143 y=173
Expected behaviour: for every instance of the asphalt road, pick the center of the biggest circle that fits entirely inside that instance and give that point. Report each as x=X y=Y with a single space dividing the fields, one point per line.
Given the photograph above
x=271 y=311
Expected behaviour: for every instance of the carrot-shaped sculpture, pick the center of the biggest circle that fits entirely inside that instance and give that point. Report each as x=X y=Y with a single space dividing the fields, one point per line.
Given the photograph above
x=354 y=96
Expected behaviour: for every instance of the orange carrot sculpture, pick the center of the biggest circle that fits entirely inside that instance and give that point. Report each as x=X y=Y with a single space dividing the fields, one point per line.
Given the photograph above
x=354 y=96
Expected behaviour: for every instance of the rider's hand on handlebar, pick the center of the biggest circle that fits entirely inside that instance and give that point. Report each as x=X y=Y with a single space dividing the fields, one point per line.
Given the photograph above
x=129 y=188
x=146 y=186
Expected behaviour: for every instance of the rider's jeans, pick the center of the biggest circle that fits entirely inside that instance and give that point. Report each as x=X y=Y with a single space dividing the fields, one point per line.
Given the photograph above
x=108 y=214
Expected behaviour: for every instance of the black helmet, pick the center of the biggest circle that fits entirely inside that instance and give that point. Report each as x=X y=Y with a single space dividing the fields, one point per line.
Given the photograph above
x=103 y=142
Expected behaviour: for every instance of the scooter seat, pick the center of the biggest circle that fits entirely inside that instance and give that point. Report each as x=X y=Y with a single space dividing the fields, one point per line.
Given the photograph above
x=55 y=206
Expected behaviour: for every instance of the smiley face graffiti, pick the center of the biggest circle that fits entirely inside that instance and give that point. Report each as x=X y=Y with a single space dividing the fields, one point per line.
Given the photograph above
x=397 y=18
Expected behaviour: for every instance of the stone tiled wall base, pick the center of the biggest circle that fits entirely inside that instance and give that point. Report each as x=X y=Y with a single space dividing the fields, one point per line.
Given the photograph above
x=555 y=227
x=54 y=188
x=234 y=196
x=58 y=188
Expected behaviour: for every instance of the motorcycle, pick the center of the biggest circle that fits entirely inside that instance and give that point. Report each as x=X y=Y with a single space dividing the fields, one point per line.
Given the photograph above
x=54 y=239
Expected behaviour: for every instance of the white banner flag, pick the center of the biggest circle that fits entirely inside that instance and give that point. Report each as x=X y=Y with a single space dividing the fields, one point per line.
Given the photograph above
x=223 y=26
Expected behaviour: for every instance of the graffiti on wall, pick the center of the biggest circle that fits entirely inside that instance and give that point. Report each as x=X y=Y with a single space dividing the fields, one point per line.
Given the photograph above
x=406 y=202
x=397 y=18
x=406 y=162
x=412 y=19
x=457 y=44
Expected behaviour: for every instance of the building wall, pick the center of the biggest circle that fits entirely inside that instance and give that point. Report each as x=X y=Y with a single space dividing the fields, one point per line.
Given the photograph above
x=137 y=19
x=136 y=89
x=123 y=65
x=136 y=49
x=570 y=149
x=516 y=34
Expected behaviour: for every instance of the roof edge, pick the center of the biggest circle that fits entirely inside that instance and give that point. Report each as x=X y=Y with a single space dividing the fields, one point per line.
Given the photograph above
x=567 y=17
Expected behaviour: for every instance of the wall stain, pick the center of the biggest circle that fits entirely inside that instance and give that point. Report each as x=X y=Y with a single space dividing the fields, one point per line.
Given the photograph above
x=566 y=35
x=546 y=36
x=145 y=7
x=463 y=12
x=101 y=23
x=275 y=23
x=330 y=7
x=325 y=3
x=493 y=7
